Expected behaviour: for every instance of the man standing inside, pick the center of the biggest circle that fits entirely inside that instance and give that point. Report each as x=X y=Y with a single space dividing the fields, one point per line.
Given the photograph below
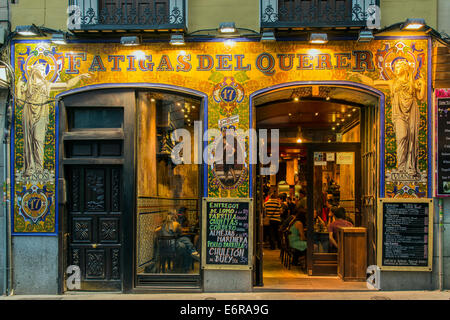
x=273 y=210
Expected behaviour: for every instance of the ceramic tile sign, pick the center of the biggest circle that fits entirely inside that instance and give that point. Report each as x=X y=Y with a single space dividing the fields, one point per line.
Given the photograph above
x=227 y=229
x=443 y=147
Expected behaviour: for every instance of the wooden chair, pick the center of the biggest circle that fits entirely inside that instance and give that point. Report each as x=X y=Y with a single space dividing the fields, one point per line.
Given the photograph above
x=167 y=253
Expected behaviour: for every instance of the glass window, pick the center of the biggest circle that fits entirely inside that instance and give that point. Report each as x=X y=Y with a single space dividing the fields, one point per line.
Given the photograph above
x=94 y=117
x=168 y=194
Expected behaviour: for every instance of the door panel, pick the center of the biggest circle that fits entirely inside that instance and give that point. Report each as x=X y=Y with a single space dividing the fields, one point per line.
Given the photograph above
x=338 y=163
x=94 y=221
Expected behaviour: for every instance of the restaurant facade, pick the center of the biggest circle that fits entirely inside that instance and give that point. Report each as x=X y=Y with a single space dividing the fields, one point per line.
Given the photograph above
x=95 y=125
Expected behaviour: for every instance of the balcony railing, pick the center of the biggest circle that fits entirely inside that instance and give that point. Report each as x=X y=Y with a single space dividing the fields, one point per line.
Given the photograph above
x=127 y=14
x=315 y=13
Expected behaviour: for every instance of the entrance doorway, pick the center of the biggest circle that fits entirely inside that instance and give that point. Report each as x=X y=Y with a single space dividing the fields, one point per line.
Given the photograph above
x=322 y=132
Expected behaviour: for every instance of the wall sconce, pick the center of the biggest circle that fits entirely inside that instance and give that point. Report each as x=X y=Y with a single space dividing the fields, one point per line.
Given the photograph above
x=413 y=24
x=59 y=38
x=177 y=39
x=130 y=41
x=28 y=31
x=227 y=27
x=318 y=38
x=365 y=36
x=268 y=36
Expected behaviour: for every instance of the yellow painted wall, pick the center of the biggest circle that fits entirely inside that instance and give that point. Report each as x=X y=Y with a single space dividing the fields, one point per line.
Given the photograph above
x=444 y=16
x=207 y=14
x=393 y=11
x=48 y=13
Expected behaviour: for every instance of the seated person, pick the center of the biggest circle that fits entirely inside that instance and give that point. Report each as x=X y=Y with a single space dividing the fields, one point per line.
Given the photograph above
x=182 y=219
x=339 y=221
x=320 y=244
x=297 y=239
x=171 y=228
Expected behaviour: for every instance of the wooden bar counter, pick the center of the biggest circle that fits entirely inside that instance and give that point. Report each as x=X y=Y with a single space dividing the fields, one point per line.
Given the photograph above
x=352 y=253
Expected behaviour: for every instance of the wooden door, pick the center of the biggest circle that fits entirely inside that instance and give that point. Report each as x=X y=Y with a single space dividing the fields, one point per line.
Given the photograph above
x=94 y=225
x=321 y=260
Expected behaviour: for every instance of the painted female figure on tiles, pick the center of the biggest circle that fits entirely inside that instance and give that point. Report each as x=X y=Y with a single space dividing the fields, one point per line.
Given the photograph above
x=405 y=90
x=34 y=95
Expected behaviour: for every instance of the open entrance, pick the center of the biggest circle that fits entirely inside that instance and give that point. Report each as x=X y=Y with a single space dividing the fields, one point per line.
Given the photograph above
x=326 y=179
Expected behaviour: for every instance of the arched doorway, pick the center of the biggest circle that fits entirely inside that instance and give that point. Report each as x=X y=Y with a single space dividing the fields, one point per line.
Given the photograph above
x=328 y=147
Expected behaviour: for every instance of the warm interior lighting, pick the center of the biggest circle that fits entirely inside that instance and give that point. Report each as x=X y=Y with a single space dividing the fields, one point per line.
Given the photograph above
x=227 y=27
x=318 y=38
x=296 y=99
x=299 y=140
x=413 y=24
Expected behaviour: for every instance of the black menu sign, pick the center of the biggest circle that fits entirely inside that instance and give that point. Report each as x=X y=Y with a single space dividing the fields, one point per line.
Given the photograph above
x=443 y=147
x=227 y=233
x=406 y=234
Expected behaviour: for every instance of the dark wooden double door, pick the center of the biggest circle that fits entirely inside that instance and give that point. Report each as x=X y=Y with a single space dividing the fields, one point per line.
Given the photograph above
x=94 y=225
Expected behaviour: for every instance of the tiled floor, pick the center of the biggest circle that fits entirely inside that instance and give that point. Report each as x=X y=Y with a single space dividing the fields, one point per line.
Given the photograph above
x=277 y=277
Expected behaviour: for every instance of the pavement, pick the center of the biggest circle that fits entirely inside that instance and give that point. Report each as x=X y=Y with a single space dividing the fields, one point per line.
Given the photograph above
x=258 y=295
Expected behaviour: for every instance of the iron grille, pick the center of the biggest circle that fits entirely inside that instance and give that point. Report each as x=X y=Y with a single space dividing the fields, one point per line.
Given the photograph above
x=316 y=13
x=126 y=14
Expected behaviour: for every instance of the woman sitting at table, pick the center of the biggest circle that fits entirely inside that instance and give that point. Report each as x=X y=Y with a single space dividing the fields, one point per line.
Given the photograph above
x=297 y=239
x=171 y=228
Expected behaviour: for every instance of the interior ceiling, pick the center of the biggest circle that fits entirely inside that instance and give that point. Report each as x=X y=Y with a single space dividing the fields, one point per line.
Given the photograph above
x=321 y=109
x=316 y=109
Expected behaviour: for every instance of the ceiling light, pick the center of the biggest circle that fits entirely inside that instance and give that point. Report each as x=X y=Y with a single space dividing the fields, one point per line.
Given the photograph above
x=193 y=107
x=59 y=38
x=338 y=124
x=349 y=115
x=354 y=109
x=342 y=119
x=318 y=38
x=296 y=99
x=290 y=114
x=28 y=31
x=299 y=140
x=268 y=36
x=152 y=100
x=130 y=41
x=316 y=114
x=227 y=27
x=177 y=39
x=413 y=24
x=365 y=36
x=328 y=98
x=334 y=128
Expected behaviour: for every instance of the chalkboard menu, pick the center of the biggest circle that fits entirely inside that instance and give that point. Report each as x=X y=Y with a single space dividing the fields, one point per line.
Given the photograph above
x=406 y=234
x=443 y=147
x=227 y=230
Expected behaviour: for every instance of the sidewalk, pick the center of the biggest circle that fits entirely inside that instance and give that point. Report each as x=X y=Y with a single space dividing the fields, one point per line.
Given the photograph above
x=299 y=295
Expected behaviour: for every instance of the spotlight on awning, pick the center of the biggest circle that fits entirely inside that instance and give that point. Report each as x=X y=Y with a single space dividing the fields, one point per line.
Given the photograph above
x=365 y=36
x=177 y=39
x=130 y=41
x=268 y=36
x=59 y=38
x=413 y=24
x=318 y=38
x=227 y=27
x=28 y=31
